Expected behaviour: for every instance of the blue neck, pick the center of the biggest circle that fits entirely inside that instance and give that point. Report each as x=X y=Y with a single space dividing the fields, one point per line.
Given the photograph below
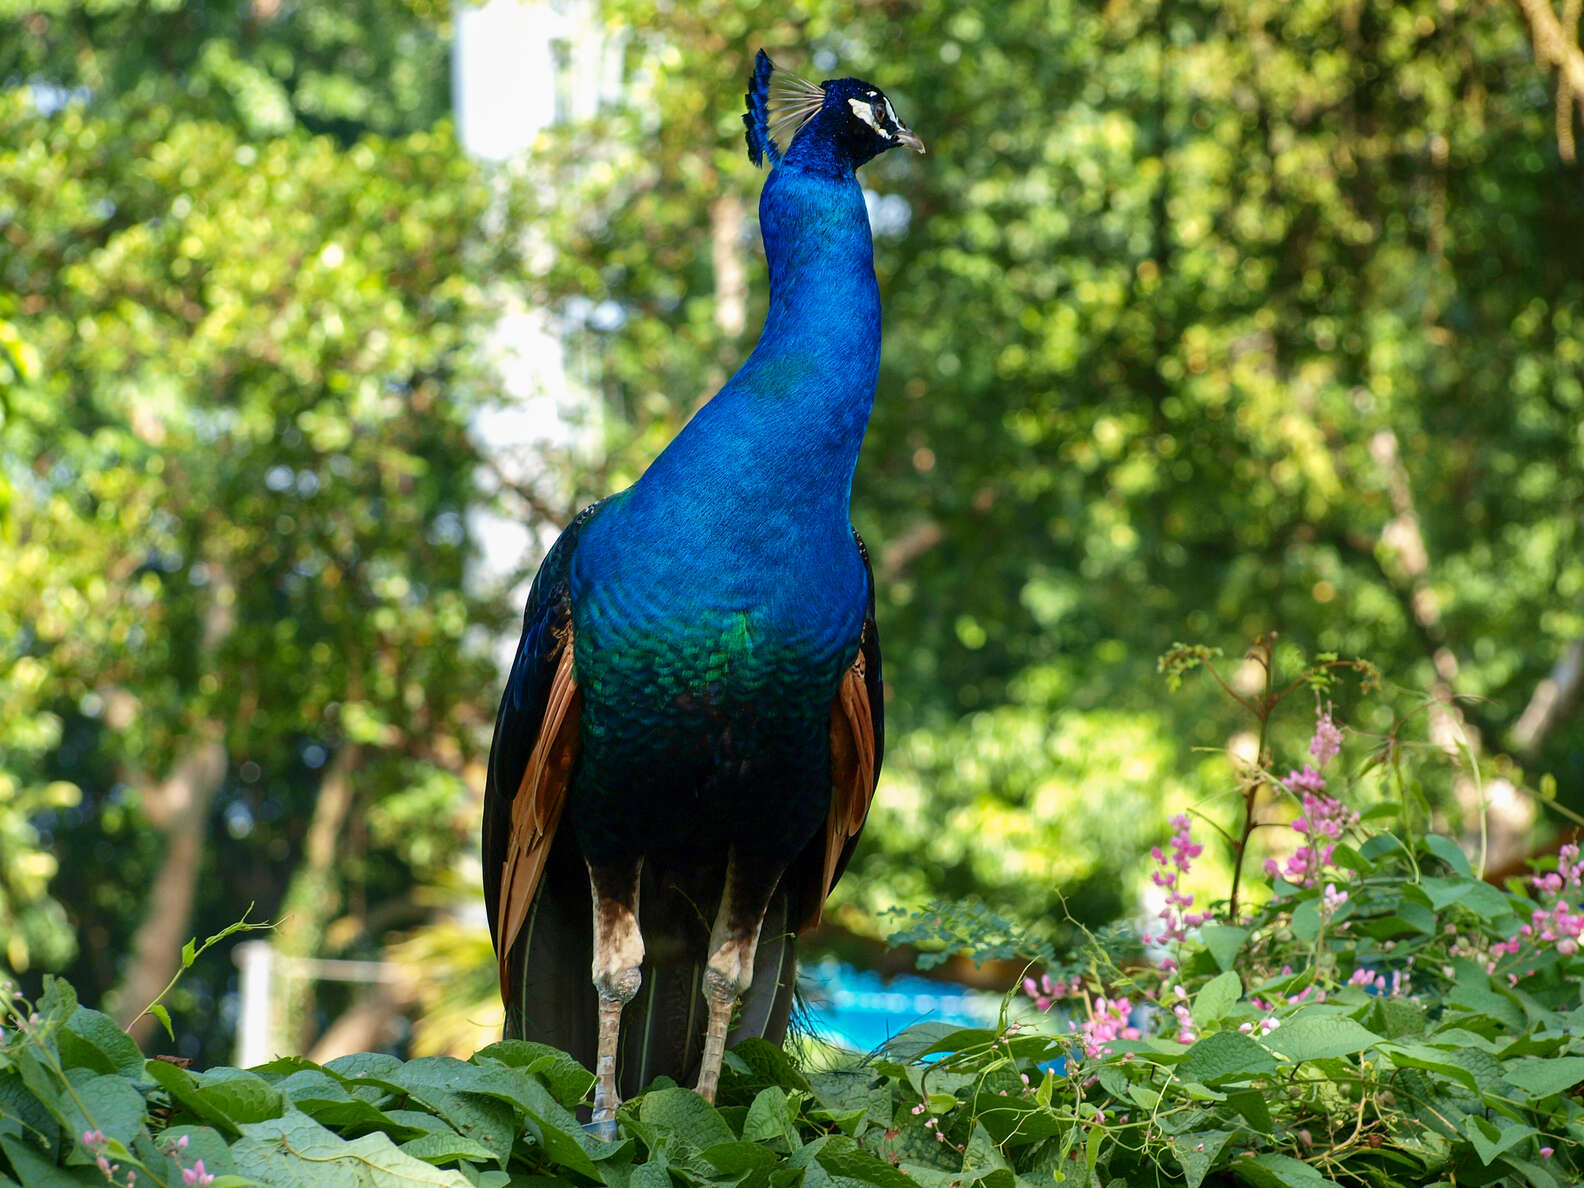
x=784 y=433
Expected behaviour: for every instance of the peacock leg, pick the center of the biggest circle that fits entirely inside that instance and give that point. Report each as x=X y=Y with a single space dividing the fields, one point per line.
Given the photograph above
x=618 y=961
x=733 y=941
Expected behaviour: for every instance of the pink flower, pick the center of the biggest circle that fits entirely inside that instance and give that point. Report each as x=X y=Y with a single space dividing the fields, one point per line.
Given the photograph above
x=1323 y=822
x=1046 y=992
x=1108 y=1020
x=1333 y=898
x=1307 y=780
x=1327 y=740
x=196 y=1175
x=1176 y=920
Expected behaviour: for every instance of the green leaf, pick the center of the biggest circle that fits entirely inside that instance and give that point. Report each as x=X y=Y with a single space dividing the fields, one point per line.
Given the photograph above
x=1449 y=852
x=1196 y=1153
x=203 y=1142
x=42 y=1084
x=771 y=1117
x=105 y=1102
x=1418 y=917
x=1489 y=1142
x=1542 y=1077
x=1251 y=1106
x=747 y=1163
x=756 y=1063
x=568 y=1080
x=1476 y=895
x=922 y=1038
x=654 y=1173
x=58 y=1002
x=1307 y=1036
x=1160 y=1049
x=1278 y=1171
x=850 y=1162
x=842 y=1091
x=1487 y=902
x=324 y=1099
x=189 y=953
x=981 y=1156
x=1225 y=1056
x=480 y=1102
x=1306 y=921
x=1484 y=1067
x=241 y=1096
x=160 y=1013
x=1215 y=997
x=1395 y=1018
x=1436 y=1060
x=223 y=1097
x=686 y=1114
x=1380 y=845
x=295 y=1149
x=1445 y=891
x=1092 y=1148
x=25 y=1115
x=1047 y=1085
x=373 y=1068
x=960 y=1039
x=1472 y=989
x=446 y=1147
x=92 y=1040
x=1146 y=1097
x=1347 y=858
x=1223 y=941
x=34 y=1170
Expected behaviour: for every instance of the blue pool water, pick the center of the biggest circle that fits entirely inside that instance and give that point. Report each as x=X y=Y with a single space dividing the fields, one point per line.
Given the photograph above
x=856 y=1009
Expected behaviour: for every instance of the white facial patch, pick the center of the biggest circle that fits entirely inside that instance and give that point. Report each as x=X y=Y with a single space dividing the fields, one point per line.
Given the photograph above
x=864 y=110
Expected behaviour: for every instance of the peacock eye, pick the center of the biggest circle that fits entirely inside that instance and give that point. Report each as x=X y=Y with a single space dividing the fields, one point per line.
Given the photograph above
x=879 y=114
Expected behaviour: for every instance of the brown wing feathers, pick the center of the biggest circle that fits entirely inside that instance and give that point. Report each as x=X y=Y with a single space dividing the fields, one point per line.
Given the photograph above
x=852 y=742
x=536 y=809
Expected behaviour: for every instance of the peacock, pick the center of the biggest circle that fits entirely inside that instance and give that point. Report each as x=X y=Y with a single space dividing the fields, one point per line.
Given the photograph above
x=692 y=727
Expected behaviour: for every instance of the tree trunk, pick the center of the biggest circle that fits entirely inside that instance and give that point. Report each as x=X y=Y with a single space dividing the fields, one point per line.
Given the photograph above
x=731 y=276
x=179 y=807
x=314 y=896
x=1556 y=43
x=1498 y=818
x=368 y=1025
x=1554 y=700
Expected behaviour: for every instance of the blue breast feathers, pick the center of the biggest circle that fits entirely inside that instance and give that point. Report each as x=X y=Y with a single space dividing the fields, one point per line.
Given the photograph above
x=748 y=509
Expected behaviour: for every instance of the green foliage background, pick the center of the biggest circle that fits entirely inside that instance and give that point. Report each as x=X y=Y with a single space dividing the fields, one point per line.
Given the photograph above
x=1201 y=319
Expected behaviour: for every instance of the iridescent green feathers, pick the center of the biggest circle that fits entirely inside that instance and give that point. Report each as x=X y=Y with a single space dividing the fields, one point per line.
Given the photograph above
x=779 y=104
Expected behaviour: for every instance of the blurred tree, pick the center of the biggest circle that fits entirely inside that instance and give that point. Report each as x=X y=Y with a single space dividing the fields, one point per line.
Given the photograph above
x=236 y=479
x=1201 y=319
x=262 y=67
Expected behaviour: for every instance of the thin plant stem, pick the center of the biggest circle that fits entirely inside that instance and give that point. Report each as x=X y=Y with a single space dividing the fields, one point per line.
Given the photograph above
x=1262 y=655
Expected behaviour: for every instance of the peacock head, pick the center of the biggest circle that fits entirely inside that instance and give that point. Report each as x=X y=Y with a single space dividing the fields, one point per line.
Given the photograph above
x=835 y=125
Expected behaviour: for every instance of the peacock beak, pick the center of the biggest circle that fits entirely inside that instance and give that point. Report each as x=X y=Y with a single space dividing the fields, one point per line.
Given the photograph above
x=910 y=138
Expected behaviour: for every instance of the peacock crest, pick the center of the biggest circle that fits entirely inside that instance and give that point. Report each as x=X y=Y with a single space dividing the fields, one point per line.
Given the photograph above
x=779 y=104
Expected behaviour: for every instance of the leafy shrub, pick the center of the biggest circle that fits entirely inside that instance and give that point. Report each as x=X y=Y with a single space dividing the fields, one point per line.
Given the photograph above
x=1383 y=1016
x=1380 y=1016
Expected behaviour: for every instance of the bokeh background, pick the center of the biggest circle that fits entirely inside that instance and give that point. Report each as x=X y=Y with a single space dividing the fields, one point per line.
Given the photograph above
x=318 y=318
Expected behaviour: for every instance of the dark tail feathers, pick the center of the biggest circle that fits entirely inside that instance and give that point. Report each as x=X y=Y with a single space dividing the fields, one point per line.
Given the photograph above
x=554 y=1002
